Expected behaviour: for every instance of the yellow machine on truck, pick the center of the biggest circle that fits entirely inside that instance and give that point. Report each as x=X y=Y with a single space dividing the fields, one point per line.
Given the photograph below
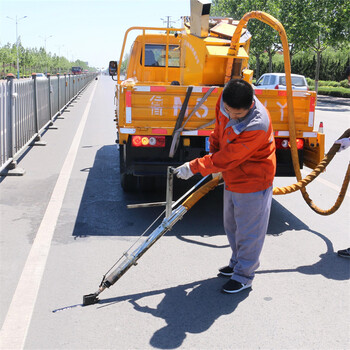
x=165 y=106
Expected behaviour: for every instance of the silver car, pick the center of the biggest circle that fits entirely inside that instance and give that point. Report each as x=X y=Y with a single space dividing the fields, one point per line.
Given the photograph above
x=278 y=81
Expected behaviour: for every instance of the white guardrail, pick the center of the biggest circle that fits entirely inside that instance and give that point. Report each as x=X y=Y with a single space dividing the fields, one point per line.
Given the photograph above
x=28 y=106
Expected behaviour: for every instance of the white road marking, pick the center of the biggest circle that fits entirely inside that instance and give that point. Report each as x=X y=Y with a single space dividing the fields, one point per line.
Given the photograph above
x=325 y=182
x=15 y=328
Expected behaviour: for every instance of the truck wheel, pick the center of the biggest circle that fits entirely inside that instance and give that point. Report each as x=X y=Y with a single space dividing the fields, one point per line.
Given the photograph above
x=147 y=183
x=128 y=182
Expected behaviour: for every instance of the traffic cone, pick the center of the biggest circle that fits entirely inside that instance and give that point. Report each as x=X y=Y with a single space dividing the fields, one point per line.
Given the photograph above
x=320 y=128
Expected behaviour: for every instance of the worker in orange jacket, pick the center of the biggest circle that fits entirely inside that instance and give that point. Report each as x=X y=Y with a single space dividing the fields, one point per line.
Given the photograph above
x=242 y=148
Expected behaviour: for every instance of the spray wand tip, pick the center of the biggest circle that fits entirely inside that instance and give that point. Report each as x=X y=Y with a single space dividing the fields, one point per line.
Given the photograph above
x=90 y=299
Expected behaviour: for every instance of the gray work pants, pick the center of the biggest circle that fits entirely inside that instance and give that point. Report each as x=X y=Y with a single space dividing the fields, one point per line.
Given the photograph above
x=246 y=217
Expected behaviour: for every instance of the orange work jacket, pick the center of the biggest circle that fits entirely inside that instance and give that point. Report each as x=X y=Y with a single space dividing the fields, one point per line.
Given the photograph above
x=243 y=150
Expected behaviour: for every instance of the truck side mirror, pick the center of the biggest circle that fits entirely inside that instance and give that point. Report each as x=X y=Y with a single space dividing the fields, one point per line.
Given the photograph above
x=113 y=68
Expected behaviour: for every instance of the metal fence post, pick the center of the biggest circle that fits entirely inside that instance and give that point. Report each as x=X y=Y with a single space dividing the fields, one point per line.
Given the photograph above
x=50 y=100
x=69 y=87
x=37 y=139
x=65 y=90
x=35 y=104
x=12 y=131
x=11 y=168
x=58 y=94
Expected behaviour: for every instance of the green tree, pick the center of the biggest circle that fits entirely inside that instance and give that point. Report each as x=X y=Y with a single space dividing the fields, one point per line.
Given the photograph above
x=6 y=54
x=264 y=38
x=35 y=60
x=309 y=24
x=315 y=25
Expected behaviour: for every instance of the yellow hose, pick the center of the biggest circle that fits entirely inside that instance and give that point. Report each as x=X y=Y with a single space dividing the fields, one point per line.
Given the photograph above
x=201 y=192
x=338 y=202
x=300 y=185
x=317 y=171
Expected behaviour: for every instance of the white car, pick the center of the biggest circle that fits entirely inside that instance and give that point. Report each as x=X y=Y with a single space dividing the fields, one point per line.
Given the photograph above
x=278 y=81
x=40 y=75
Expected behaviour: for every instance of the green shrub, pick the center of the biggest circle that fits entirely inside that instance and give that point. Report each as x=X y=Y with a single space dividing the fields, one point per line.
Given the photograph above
x=330 y=84
x=345 y=84
x=336 y=92
x=333 y=84
x=311 y=83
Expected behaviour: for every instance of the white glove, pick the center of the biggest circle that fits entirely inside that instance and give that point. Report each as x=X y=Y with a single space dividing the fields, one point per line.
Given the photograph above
x=214 y=175
x=183 y=171
x=344 y=143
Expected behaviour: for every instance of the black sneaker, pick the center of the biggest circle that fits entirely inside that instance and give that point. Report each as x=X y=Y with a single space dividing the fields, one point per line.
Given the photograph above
x=226 y=271
x=344 y=253
x=233 y=286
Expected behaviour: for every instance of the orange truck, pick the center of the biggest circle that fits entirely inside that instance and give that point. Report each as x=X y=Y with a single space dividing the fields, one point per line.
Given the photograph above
x=165 y=106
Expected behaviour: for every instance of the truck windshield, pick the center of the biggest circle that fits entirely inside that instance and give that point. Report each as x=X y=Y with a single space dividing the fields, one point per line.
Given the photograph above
x=155 y=55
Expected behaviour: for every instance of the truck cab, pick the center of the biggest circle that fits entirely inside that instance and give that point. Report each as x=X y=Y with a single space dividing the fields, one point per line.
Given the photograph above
x=160 y=62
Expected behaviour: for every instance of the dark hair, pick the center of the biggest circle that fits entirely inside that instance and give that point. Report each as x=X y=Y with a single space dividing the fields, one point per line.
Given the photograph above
x=238 y=94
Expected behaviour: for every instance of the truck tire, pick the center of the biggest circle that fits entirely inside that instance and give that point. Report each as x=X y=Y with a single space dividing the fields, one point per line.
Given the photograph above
x=147 y=183
x=131 y=183
x=128 y=182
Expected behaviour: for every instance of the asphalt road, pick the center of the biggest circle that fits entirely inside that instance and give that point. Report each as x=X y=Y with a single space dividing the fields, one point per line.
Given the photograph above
x=65 y=223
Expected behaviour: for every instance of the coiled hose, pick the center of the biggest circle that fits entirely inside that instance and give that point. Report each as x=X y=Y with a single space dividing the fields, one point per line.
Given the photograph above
x=302 y=183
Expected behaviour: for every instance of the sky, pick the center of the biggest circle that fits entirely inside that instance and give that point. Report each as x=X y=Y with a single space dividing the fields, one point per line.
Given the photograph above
x=89 y=30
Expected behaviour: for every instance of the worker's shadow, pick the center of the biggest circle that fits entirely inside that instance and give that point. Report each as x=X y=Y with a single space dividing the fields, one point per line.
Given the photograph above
x=190 y=308
x=282 y=221
x=330 y=265
x=103 y=212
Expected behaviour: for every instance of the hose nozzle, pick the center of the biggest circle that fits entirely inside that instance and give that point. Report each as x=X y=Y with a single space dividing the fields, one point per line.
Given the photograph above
x=90 y=299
